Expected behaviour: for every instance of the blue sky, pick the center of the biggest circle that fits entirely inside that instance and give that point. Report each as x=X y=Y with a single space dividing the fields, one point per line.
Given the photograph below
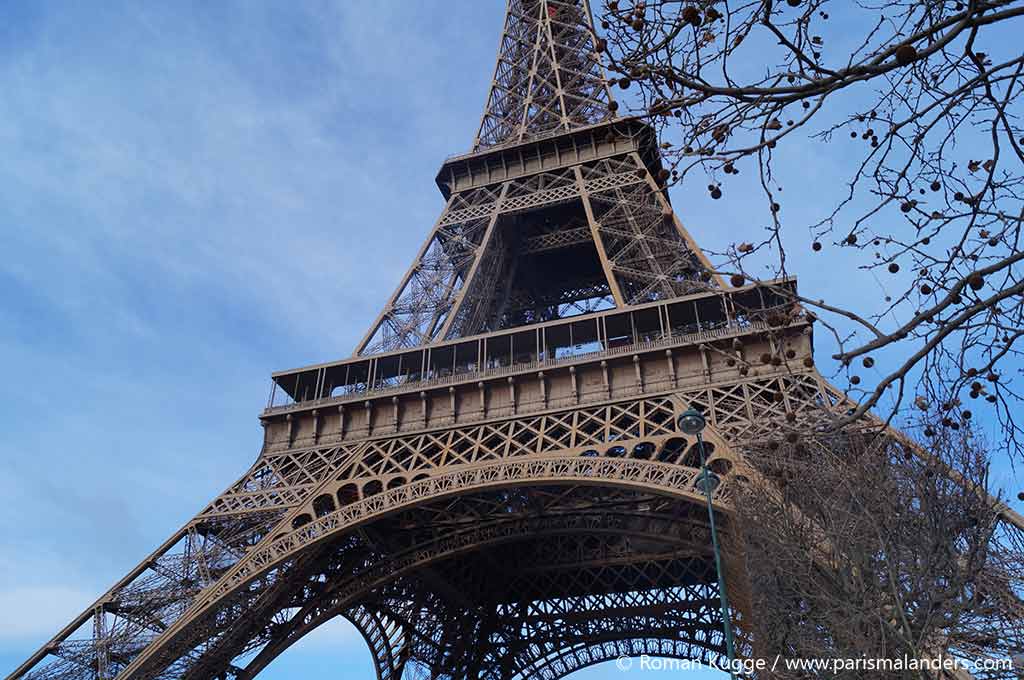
x=191 y=196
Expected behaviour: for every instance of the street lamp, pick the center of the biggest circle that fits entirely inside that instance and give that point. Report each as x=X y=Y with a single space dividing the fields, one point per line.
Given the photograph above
x=691 y=421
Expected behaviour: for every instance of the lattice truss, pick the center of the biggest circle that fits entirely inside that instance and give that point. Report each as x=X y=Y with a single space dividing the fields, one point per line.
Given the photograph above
x=478 y=270
x=419 y=310
x=647 y=252
x=527 y=545
x=450 y=589
x=310 y=533
x=548 y=76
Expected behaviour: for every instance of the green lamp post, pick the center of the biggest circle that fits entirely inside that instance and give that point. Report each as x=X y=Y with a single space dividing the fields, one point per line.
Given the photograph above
x=691 y=421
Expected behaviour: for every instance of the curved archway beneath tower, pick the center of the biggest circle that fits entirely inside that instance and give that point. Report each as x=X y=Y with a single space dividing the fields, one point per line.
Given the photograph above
x=305 y=546
x=537 y=542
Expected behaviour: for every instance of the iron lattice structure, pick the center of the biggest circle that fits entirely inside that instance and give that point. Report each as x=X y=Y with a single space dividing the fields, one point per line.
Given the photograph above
x=493 y=485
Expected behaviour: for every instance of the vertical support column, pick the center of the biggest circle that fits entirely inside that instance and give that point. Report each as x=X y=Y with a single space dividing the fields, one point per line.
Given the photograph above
x=467 y=284
x=382 y=317
x=704 y=361
x=99 y=632
x=680 y=229
x=595 y=233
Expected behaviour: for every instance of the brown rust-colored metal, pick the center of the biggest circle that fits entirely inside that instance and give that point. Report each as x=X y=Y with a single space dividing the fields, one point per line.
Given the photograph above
x=494 y=485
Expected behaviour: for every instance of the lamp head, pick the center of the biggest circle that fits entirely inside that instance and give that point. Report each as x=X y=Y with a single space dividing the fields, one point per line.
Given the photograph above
x=707 y=482
x=691 y=421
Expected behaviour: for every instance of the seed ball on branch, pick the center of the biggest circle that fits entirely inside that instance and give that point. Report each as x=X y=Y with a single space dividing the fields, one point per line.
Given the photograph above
x=966 y=415
x=766 y=358
x=936 y=186
x=816 y=246
x=929 y=432
x=716 y=193
x=737 y=280
x=809 y=362
x=976 y=281
x=852 y=239
x=790 y=354
x=624 y=83
x=893 y=268
x=868 y=362
x=793 y=3
x=906 y=54
x=663 y=174
x=926 y=289
x=855 y=380
x=613 y=106
x=691 y=16
x=1020 y=495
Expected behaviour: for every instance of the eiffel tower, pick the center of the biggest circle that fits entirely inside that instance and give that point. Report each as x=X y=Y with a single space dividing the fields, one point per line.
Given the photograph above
x=494 y=485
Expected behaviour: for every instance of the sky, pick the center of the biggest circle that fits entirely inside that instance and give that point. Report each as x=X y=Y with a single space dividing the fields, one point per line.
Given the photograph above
x=193 y=195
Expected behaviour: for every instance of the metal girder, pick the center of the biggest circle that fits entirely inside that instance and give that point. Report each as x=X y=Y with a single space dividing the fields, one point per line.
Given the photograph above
x=528 y=517
x=548 y=77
